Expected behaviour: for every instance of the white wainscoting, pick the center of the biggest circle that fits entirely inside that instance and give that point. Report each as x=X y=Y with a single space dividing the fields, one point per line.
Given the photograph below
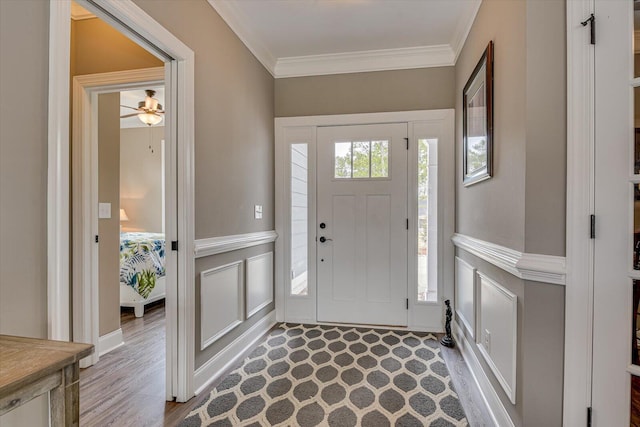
x=231 y=354
x=498 y=327
x=497 y=410
x=110 y=341
x=534 y=267
x=466 y=295
x=259 y=282
x=221 y=244
x=221 y=301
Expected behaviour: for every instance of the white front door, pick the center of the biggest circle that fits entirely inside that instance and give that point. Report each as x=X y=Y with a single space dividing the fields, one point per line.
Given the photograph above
x=616 y=188
x=362 y=224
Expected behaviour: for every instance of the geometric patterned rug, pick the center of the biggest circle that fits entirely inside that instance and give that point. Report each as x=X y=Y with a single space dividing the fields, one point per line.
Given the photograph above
x=317 y=375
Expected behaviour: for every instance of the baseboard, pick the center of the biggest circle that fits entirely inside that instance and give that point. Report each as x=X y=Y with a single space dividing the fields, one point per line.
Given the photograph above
x=497 y=410
x=211 y=371
x=110 y=341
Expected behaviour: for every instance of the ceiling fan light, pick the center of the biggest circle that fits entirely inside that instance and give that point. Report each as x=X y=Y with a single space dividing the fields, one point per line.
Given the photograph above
x=149 y=118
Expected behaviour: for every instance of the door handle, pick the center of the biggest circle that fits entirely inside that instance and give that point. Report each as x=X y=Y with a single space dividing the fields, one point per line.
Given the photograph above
x=324 y=239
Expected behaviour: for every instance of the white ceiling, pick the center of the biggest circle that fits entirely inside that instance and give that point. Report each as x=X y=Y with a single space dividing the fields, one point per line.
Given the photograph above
x=131 y=99
x=309 y=37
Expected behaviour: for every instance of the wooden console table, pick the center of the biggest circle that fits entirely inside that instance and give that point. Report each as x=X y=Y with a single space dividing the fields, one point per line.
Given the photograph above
x=30 y=367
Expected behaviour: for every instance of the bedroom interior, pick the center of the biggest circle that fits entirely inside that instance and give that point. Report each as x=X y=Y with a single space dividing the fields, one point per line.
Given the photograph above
x=141 y=197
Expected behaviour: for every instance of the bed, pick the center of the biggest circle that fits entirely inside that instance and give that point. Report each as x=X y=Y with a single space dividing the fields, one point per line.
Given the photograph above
x=142 y=270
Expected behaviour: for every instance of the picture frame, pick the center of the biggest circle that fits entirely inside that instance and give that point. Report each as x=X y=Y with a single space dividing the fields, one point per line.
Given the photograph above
x=477 y=121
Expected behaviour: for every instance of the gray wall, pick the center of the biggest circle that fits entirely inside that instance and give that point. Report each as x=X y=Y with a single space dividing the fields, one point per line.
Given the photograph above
x=23 y=180
x=493 y=210
x=109 y=228
x=523 y=206
x=234 y=155
x=141 y=178
x=380 y=91
x=545 y=206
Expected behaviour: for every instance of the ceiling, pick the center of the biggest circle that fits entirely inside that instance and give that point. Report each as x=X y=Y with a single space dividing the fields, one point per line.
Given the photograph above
x=311 y=37
x=131 y=99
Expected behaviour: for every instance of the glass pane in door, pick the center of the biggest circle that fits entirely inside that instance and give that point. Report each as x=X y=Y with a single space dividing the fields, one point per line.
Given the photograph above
x=635 y=401
x=636 y=133
x=636 y=38
x=636 y=226
x=427 y=251
x=299 y=218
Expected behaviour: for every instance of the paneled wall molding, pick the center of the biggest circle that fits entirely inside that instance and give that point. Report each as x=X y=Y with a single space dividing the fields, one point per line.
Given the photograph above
x=231 y=354
x=496 y=408
x=534 y=267
x=221 y=244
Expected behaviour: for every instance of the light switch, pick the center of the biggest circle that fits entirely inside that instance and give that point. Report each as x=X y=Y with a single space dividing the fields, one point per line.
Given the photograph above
x=258 y=211
x=104 y=210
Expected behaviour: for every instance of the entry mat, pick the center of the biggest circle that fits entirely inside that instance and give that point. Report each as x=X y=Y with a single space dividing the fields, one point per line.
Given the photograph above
x=317 y=375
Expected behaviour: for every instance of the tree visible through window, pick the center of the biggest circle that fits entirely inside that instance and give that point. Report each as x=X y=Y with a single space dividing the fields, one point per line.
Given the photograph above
x=361 y=159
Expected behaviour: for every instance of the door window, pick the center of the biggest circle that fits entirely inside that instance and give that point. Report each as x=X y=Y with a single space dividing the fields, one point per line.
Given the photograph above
x=361 y=159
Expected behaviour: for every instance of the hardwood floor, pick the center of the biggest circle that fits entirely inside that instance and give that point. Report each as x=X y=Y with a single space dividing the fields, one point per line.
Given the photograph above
x=126 y=388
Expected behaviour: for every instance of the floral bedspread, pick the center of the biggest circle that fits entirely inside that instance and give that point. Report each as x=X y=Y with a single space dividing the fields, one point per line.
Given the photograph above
x=141 y=260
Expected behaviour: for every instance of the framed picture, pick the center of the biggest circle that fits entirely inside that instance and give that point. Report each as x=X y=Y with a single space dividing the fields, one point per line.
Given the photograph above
x=477 y=121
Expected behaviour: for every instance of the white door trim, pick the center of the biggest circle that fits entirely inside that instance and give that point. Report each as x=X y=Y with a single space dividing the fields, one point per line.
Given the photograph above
x=126 y=17
x=84 y=163
x=307 y=125
x=580 y=190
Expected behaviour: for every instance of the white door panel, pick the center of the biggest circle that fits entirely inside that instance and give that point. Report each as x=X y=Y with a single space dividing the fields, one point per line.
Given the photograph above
x=362 y=266
x=613 y=204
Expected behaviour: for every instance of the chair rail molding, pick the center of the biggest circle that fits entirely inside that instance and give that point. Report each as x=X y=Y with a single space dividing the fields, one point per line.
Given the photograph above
x=533 y=267
x=221 y=244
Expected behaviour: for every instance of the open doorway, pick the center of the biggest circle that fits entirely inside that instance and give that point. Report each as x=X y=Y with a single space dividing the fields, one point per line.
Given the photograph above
x=123 y=214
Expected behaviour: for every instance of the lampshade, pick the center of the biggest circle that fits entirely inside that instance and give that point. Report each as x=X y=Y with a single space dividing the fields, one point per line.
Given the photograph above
x=149 y=118
x=123 y=215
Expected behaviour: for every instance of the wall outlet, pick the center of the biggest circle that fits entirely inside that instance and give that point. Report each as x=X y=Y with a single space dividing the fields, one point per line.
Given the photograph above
x=486 y=342
x=257 y=211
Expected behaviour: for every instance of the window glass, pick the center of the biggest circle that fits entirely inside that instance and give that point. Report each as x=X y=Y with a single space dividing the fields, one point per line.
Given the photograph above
x=299 y=218
x=380 y=159
x=427 y=270
x=342 y=159
x=361 y=159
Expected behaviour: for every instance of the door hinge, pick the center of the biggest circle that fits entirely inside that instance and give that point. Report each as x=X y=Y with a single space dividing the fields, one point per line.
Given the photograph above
x=97 y=238
x=407 y=303
x=407 y=140
x=593 y=227
x=589 y=411
x=174 y=245
x=407 y=223
x=591 y=20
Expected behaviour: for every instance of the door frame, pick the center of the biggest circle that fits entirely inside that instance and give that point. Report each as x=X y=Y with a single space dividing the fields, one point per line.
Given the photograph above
x=303 y=129
x=132 y=21
x=84 y=163
x=578 y=347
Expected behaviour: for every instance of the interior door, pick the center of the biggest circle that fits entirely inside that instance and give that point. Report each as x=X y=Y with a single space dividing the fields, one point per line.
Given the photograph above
x=362 y=224
x=616 y=196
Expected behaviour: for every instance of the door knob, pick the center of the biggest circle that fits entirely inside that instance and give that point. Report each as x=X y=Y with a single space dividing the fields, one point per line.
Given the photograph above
x=324 y=239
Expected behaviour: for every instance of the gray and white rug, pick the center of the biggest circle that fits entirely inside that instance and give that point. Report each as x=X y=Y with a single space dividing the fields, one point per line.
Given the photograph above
x=308 y=375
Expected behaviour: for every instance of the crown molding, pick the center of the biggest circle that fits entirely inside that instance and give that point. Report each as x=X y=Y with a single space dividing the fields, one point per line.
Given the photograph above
x=348 y=62
x=363 y=61
x=245 y=34
x=463 y=29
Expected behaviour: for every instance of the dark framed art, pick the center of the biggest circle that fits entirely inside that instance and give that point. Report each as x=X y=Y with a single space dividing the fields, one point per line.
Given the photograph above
x=477 y=121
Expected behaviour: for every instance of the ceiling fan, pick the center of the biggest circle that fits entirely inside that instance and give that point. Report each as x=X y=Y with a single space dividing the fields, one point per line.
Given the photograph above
x=149 y=111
